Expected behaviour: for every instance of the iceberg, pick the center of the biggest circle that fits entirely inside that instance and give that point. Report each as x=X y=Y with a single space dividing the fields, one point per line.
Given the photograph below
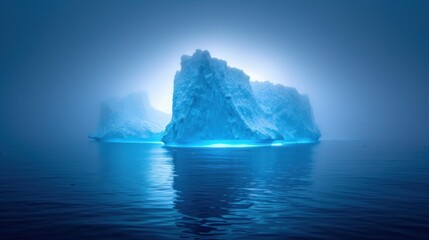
x=215 y=104
x=212 y=101
x=290 y=111
x=130 y=117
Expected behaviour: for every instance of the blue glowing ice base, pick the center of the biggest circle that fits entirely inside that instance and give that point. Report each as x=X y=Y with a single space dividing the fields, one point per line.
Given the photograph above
x=211 y=143
x=239 y=144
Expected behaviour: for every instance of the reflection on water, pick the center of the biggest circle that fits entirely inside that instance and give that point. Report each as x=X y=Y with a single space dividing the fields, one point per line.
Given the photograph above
x=212 y=191
x=220 y=188
x=331 y=190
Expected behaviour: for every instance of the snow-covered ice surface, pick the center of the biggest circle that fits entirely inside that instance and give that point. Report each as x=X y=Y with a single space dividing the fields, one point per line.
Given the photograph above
x=130 y=118
x=213 y=102
x=290 y=111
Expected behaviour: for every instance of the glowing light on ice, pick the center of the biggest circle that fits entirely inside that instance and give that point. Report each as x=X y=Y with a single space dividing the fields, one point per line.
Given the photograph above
x=224 y=145
x=239 y=144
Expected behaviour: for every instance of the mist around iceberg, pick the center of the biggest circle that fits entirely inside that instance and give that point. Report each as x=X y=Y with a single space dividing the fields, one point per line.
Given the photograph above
x=214 y=105
x=130 y=118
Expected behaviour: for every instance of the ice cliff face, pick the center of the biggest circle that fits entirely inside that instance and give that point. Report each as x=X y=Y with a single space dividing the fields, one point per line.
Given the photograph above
x=130 y=117
x=290 y=111
x=212 y=101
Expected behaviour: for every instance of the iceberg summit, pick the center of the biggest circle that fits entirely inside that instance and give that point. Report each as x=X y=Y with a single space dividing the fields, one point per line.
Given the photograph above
x=213 y=102
x=130 y=118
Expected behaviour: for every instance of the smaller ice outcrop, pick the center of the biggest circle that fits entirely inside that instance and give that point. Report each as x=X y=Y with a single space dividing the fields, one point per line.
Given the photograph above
x=289 y=110
x=130 y=117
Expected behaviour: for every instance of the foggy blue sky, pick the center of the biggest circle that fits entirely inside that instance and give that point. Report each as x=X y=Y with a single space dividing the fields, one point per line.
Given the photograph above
x=364 y=64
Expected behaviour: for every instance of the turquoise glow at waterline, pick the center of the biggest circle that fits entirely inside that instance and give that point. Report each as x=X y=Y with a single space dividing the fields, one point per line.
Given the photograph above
x=214 y=143
x=240 y=144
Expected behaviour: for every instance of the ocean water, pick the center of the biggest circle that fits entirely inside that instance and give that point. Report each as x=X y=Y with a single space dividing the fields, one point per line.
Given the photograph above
x=329 y=190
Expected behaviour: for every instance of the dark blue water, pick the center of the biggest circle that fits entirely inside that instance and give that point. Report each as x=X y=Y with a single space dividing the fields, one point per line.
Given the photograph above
x=331 y=190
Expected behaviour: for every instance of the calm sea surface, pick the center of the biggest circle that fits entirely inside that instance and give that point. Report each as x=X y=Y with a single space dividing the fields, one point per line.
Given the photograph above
x=330 y=190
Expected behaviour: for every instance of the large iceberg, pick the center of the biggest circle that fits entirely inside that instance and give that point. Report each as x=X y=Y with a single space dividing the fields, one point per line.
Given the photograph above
x=130 y=117
x=214 y=102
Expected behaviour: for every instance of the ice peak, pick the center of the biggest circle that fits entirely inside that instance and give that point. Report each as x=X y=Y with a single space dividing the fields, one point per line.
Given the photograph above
x=201 y=54
x=199 y=57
